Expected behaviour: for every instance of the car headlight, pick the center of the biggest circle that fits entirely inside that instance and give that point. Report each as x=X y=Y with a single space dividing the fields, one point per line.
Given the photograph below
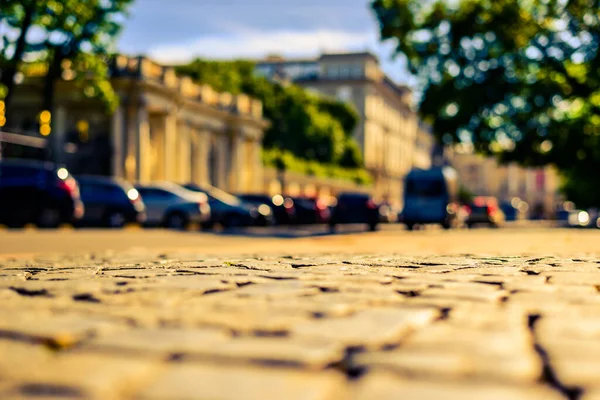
x=264 y=210
x=133 y=194
x=583 y=217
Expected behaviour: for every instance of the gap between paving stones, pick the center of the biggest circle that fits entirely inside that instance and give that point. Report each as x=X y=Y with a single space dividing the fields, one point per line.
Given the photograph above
x=549 y=374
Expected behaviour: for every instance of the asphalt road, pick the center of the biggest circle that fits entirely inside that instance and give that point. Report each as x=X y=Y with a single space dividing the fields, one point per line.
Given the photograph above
x=529 y=239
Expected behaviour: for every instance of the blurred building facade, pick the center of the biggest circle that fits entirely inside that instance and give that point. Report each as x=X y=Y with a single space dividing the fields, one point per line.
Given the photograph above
x=389 y=132
x=426 y=152
x=165 y=128
x=484 y=176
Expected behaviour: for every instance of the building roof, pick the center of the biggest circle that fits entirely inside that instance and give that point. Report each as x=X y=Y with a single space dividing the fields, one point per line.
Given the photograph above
x=283 y=60
x=364 y=54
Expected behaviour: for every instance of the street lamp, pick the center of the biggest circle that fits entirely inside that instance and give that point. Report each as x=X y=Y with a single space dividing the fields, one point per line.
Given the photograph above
x=44 y=120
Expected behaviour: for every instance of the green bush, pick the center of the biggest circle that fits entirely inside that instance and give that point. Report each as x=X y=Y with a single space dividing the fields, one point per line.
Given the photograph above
x=270 y=158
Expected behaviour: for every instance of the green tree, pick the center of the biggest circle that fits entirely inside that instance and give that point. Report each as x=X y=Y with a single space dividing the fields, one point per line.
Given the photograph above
x=78 y=37
x=343 y=112
x=515 y=78
x=310 y=127
x=352 y=156
x=17 y=15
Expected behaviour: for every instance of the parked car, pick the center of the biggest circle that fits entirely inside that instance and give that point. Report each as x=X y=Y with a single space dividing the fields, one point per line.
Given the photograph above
x=231 y=212
x=283 y=208
x=110 y=202
x=356 y=208
x=388 y=213
x=589 y=218
x=311 y=210
x=37 y=192
x=430 y=198
x=485 y=210
x=173 y=206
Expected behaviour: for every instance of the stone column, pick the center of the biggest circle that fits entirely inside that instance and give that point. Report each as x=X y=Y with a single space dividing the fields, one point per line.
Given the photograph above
x=184 y=153
x=170 y=159
x=131 y=146
x=238 y=170
x=118 y=143
x=195 y=162
x=203 y=147
x=224 y=160
x=257 y=176
x=143 y=171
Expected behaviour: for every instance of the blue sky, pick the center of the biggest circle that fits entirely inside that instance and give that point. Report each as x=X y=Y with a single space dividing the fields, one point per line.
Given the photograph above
x=177 y=30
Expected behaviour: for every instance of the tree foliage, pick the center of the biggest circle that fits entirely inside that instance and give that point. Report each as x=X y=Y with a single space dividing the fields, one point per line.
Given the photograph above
x=277 y=158
x=515 y=78
x=72 y=35
x=309 y=127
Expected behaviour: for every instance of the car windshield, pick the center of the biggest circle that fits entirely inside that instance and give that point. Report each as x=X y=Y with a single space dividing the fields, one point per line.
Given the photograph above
x=224 y=197
x=425 y=187
x=179 y=191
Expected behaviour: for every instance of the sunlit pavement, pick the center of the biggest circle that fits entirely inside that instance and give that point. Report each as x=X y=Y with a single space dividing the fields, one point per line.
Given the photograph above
x=276 y=313
x=532 y=238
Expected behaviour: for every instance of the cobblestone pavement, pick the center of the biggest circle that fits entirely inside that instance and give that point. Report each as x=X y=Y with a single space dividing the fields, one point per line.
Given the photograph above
x=183 y=326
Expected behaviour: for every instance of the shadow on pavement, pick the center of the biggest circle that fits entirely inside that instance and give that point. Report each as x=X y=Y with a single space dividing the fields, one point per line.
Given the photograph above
x=293 y=232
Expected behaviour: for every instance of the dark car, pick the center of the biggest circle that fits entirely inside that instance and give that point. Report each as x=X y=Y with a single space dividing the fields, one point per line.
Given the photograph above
x=231 y=212
x=311 y=210
x=173 y=206
x=356 y=208
x=110 y=202
x=37 y=192
x=485 y=210
x=284 y=211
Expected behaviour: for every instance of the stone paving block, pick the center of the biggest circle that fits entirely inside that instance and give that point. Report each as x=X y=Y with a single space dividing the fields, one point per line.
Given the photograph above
x=58 y=330
x=309 y=353
x=277 y=290
x=451 y=363
x=18 y=357
x=574 y=278
x=196 y=381
x=371 y=328
x=198 y=285
x=498 y=271
x=483 y=316
x=218 y=346
x=135 y=273
x=465 y=293
x=384 y=386
x=90 y=376
x=575 y=327
x=247 y=322
x=160 y=342
x=320 y=305
x=430 y=323
x=591 y=394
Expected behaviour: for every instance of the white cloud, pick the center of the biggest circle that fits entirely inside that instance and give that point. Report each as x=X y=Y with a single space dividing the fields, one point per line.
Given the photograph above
x=241 y=41
x=253 y=44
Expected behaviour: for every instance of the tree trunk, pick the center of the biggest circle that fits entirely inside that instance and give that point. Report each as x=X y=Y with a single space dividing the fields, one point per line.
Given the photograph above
x=8 y=75
x=54 y=72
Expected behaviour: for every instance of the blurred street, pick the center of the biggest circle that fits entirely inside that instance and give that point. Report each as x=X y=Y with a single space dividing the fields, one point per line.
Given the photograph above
x=538 y=238
x=165 y=319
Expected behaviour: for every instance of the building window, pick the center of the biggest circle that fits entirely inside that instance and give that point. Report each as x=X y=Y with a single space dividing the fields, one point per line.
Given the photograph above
x=332 y=71
x=357 y=71
x=344 y=71
x=344 y=93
